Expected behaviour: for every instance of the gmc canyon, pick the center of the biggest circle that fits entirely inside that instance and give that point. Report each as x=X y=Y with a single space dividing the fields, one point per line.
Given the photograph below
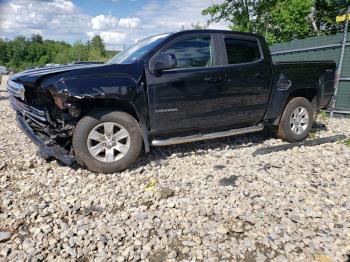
x=167 y=89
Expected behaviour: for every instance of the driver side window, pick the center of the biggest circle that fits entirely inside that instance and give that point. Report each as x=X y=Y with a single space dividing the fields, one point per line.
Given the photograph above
x=192 y=51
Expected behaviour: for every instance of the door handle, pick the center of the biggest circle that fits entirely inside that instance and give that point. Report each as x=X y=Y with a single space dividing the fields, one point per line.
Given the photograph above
x=213 y=80
x=260 y=75
x=284 y=84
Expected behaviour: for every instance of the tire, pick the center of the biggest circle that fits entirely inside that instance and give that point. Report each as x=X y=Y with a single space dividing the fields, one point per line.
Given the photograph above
x=100 y=154
x=293 y=127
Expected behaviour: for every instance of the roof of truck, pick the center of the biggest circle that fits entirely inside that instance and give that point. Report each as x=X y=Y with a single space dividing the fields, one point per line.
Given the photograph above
x=212 y=31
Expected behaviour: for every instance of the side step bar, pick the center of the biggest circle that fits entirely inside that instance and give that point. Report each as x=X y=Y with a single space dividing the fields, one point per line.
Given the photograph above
x=187 y=139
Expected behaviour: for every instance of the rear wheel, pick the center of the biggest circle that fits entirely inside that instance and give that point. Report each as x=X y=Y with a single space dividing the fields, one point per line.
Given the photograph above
x=296 y=121
x=107 y=142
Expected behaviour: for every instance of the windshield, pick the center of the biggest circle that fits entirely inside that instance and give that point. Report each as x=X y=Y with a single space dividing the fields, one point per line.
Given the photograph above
x=137 y=51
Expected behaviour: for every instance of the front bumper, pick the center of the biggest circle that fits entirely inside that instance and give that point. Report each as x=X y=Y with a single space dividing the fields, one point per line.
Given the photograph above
x=45 y=151
x=39 y=118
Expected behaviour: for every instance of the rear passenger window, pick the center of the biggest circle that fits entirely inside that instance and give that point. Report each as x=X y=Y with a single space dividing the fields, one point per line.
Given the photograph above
x=241 y=51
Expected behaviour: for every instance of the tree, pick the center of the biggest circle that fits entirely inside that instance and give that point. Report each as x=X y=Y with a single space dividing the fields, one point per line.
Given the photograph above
x=3 y=53
x=94 y=55
x=279 y=20
x=97 y=45
x=243 y=15
x=193 y=26
x=36 y=39
x=35 y=50
x=325 y=13
x=290 y=20
x=17 y=51
x=23 y=53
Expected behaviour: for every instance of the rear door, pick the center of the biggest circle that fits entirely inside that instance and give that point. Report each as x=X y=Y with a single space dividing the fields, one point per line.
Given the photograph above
x=247 y=79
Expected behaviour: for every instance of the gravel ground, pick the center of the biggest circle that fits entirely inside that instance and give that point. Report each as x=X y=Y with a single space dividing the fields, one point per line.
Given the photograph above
x=205 y=201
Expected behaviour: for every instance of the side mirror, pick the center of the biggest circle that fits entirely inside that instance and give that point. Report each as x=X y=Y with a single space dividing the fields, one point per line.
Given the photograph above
x=163 y=62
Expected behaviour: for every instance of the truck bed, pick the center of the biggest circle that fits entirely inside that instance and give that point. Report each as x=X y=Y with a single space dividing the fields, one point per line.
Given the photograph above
x=317 y=78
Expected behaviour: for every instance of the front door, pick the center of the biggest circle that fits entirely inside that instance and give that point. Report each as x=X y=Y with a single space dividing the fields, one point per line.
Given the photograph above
x=187 y=98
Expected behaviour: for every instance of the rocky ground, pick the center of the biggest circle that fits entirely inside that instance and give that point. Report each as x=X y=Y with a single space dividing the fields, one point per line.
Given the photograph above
x=205 y=201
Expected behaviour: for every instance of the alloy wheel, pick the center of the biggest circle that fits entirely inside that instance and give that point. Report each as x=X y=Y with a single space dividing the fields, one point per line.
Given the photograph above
x=108 y=142
x=299 y=120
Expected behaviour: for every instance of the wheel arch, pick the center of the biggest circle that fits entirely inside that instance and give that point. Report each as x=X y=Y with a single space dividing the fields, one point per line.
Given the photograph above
x=280 y=100
x=311 y=94
x=89 y=105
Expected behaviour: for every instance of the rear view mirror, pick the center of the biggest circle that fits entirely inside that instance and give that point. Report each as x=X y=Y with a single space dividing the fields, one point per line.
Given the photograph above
x=163 y=62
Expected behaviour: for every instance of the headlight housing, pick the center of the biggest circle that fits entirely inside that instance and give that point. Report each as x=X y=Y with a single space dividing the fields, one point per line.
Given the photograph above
x=16 y=89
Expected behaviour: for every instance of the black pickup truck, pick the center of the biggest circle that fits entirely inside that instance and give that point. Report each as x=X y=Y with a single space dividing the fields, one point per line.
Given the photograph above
x=167 y=89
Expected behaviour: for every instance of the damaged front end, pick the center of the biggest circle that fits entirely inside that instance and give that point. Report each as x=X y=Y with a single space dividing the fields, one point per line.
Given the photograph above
x=50 y=101
x=38 y=115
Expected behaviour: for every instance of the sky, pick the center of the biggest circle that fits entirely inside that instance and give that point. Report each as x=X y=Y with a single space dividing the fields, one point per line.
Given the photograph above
x=120 y=23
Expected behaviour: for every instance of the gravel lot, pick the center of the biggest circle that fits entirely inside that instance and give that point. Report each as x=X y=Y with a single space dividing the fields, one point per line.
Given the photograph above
x=205 y=201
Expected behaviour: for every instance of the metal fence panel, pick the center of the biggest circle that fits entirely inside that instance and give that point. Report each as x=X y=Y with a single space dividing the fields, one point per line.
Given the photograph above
x=346 y=64
x=343 y=101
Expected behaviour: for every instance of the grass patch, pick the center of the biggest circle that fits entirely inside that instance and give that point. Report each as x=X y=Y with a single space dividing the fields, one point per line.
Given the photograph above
x=347 y=142
x=313 y=135
x=323 y=117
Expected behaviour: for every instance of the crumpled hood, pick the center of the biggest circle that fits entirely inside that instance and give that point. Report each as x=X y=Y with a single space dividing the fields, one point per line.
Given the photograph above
x=31 y=77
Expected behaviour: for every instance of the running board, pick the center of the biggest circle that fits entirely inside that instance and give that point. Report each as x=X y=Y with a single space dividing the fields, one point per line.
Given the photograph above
x=187 y=139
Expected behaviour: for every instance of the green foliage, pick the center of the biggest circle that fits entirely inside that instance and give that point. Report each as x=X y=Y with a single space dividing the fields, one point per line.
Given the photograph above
x=97 y=45
x=242 y=14
x=23 y=53
x=313 y=135
x=193 y=26
x=279 y=20
x=325 y=13
x=289 y=20
x=323 y=117
x=347 y=142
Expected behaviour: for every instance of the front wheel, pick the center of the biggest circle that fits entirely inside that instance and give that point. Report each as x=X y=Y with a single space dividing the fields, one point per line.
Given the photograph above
x=296 y=121
x=107 y=142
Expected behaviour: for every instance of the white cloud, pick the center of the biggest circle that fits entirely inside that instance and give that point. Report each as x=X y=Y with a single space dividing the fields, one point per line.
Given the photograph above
x=113 y=40
x=62 y=5
x=55 y=19
x=130 y=22
x=157 y=17
x=64 y=20
x=174 y=14
x=114 y=32
x=102 y=22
